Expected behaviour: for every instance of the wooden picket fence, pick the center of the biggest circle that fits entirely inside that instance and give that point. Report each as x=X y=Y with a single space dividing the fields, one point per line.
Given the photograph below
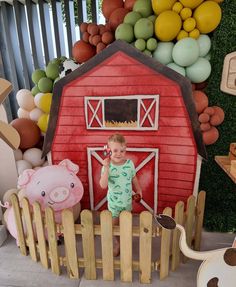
x=46 y=249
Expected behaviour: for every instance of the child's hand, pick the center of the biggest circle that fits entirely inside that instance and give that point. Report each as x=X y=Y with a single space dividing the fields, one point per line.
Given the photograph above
x=137 y=197
x=106 y=162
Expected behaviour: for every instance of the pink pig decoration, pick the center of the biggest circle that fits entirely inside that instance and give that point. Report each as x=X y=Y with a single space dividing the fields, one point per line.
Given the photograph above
x=56 y=186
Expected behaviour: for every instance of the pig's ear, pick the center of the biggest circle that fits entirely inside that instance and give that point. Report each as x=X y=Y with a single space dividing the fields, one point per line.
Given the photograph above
x=70 y=165
x=25 y=177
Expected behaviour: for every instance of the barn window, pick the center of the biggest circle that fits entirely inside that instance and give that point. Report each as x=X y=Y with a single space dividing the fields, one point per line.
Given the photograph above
x=125 y=112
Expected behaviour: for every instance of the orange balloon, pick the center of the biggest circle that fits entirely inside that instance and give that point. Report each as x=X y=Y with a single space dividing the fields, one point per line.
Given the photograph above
x=200 y=100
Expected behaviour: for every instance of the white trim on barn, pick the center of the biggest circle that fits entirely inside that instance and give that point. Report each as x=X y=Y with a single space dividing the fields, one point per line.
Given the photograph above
x=153 y=152
x=153 y=121
x=197 y=175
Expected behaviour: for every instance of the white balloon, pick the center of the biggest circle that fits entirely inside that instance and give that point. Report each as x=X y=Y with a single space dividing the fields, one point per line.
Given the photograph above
x=35 y=114
x=37 y=99
x=23 y=114
x=25 y=99
x=33 y=156
x=18 y=154
x=22 y=165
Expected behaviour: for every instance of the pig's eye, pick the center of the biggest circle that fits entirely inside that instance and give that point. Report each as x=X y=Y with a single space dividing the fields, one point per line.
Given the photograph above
x=43 y=193
x=72 y=185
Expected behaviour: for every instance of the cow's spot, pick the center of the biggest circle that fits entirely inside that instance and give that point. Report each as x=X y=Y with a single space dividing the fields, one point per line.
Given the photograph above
x=230 y=256
x=213 y=282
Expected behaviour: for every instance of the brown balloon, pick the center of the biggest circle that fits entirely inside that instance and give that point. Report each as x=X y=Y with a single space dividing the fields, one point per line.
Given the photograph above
x=29 y=132
x=82 y=51
x=109 y=6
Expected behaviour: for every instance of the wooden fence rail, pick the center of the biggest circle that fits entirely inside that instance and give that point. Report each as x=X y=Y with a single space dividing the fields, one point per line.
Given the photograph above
x=39 y=232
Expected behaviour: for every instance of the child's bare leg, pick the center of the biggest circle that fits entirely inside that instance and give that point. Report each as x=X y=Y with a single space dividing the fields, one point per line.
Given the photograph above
x=116 y=247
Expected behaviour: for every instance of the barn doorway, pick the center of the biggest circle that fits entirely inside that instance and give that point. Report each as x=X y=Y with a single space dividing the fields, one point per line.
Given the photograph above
x=146 y=164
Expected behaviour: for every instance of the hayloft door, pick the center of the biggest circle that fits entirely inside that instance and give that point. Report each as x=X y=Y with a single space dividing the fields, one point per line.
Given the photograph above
x=146 y=164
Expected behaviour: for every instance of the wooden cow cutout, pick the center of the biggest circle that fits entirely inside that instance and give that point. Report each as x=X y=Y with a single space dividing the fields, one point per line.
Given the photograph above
x=218 y=268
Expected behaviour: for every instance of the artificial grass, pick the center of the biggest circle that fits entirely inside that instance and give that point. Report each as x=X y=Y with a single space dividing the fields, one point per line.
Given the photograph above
x=220 y=212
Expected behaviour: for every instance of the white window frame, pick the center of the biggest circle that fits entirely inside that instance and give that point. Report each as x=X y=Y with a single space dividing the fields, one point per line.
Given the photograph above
x=139 y=98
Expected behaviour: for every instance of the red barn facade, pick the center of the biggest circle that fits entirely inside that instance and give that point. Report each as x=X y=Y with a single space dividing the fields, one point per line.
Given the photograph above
x=122 y=90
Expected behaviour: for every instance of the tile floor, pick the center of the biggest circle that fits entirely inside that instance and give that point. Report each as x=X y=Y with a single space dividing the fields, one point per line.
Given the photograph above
x=17 y=270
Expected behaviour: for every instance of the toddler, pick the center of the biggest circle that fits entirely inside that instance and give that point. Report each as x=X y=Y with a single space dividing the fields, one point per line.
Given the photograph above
x=118 y=174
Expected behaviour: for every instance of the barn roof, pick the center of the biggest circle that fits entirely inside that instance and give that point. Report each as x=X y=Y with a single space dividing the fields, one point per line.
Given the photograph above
x=120 y=46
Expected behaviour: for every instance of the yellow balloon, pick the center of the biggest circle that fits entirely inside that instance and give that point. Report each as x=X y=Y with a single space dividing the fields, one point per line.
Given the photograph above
x=43 y=122
x=194 y=34
x=167 y=25
x=191 y=3
x=189 y=24
x=45 y=102
x=207 y=16
x=177 y=7
x=185 y=13
x=159 y=6
x=182 y=34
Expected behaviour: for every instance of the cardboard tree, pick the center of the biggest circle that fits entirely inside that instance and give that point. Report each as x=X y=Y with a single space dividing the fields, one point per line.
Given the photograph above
x=7 y=133
x=9 y=139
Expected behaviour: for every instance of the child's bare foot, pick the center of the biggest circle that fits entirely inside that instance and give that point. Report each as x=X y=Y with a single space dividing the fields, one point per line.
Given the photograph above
x=116 y=249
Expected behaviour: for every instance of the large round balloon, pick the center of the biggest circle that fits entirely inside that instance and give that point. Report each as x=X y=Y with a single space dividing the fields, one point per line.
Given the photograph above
x=25 y=99
x=177 y=68
x=204 y=43
x=185 y=52
x=191 y=3
x=167 y=25
x=29 y=132
x=163 y=52
x=199 y=71
x=207 y=16
x=159 y=6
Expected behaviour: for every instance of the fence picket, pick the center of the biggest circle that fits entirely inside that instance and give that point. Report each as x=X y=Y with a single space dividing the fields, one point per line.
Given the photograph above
x=19 y=224
x=88 y=244
x=145 y=247
x=126 y=246
x=165 y=248
x=107 y=245
x=70 y=243
x=29 y=226
x=199 y=219
x=52 y=240
x=189 y=224
x=179 y=218
x=38 y=220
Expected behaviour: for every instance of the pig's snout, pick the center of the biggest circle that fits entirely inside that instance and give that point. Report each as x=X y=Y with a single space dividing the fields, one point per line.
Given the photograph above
x=59 y=194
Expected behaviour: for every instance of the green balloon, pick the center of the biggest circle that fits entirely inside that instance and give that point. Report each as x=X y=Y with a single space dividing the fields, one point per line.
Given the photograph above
x=199 y=71
x=143 y=29
x=163 y=52
x=125 y=32
x=177 y=68
x=144 y=7
x=140 y=44
x=204 y=43
x=147 y=52
x=151 y=44
x=52 y=71
x=45 y=85
x=37 y=75
x=35 y=90
x=132 y=17
x=185 y=52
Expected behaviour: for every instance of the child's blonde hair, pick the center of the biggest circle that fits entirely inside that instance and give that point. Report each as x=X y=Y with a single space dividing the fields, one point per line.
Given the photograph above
x=117 y=138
